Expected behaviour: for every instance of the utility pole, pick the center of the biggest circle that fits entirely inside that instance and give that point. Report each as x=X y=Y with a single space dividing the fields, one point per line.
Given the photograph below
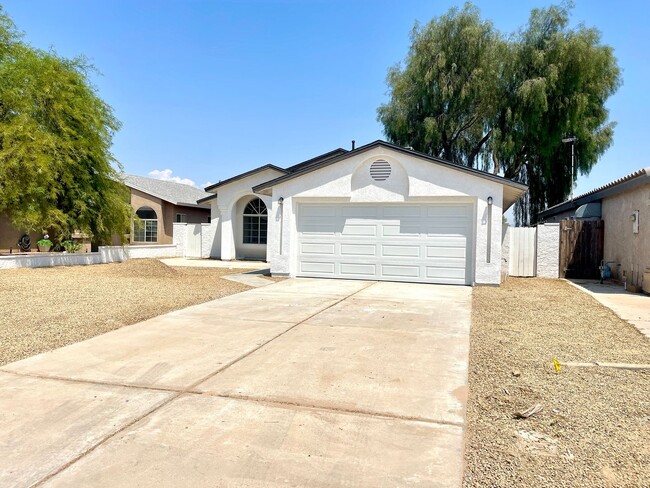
x=571 y=140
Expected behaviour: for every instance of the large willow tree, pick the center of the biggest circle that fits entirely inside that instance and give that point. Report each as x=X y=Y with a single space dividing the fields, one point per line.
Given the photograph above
x=57 y=172
x=471 y=95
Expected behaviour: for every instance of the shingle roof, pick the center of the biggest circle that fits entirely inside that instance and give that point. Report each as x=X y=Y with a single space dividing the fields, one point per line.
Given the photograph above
x=172 y=192
x=610 y=188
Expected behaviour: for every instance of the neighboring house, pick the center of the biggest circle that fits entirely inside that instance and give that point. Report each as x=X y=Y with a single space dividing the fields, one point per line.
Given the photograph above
x=624 y=206
x=159 y=204
x=378 y=212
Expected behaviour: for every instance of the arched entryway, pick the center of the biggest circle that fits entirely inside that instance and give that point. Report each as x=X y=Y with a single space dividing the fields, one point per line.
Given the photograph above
x=251 y=228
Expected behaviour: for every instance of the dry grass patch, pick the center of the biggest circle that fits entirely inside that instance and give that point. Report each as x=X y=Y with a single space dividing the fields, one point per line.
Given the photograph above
x=45 y=308
x=594 y=430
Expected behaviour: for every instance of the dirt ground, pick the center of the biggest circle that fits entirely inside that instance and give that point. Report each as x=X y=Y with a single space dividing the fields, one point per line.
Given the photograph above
x=46 y=308
x=594 y=429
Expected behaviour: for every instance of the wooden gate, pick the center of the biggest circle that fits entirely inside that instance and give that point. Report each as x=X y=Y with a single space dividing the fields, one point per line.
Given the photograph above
x=581 y=248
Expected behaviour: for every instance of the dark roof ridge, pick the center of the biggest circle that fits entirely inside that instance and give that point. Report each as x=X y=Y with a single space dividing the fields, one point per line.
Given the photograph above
x=244 y=175
x=316 y=159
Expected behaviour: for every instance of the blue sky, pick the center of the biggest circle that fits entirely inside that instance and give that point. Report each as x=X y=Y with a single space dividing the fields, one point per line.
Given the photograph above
x=207 y=89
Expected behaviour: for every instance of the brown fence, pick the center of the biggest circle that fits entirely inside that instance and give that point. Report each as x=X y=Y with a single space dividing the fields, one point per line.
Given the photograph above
x=581 y=248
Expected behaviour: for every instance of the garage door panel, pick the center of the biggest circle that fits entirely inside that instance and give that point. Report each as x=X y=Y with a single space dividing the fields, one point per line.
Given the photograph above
x=399 y=242
x=445 y=252
x=397 y=230
x=317 y=211
x=400 y=250
x=317 y=248
x=359 y=230
x=316 y=229
x=359 y=270
x=433 y=230
x=447 y=262
x=445 y=273
x=358 y=249
x=400 y=211
x=360 y=212
x=400 y=271
x=448 y=211
x=319 y=267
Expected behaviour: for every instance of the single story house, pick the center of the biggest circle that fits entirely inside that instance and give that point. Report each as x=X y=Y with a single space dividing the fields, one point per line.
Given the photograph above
x=624 y=207
x=159 y=204
x=377 y=212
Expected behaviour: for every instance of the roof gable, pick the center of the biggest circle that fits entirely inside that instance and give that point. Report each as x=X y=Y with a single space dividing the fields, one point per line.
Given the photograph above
x=518 y=188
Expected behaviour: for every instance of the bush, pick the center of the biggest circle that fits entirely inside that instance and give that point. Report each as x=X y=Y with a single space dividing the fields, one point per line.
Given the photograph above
x=71 y=246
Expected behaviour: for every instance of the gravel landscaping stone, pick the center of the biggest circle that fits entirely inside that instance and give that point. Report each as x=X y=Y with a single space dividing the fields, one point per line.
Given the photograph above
x=594 y=428
x=46 y=308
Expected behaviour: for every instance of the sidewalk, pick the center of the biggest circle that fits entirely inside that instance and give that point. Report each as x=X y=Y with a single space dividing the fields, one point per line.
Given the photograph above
x=631 y=307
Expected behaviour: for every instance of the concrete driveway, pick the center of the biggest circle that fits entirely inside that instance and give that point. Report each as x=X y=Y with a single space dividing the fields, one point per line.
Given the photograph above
x=308 y=383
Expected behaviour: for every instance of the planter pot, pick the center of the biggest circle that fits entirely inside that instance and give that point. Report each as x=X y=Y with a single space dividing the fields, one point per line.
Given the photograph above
x=43 y=248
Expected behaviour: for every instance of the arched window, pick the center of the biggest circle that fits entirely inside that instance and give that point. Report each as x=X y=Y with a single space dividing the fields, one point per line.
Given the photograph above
x=255 y=222
x=146 y=230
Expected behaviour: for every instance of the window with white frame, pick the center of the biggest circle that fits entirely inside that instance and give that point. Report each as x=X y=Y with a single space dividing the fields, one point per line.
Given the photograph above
x=145 y=229
x=255 y=222
x=181 y=217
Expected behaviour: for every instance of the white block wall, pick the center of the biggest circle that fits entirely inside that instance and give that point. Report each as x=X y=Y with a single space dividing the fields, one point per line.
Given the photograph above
x=153 y=251
x=180 y=237
x=106 y=254
x=208 y=232
x=548 y=251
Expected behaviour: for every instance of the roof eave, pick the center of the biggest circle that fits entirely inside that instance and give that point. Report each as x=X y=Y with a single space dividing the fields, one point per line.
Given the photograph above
x=206 y=199
x=641 y=178
x=244 y=175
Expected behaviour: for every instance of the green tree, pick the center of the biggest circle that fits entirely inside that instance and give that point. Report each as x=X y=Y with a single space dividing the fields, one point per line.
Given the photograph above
x=522 y=96
x=56 y=168
x=443 y=99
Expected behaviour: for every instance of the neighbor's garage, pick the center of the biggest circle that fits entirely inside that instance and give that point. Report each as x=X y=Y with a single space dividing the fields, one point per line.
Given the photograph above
x=428 y=243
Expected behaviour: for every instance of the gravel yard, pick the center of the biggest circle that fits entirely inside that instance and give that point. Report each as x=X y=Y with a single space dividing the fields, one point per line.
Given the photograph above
x=46 y=308
x=594 y=429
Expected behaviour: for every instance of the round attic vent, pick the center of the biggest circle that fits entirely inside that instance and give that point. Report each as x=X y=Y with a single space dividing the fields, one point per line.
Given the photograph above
x=380 y=170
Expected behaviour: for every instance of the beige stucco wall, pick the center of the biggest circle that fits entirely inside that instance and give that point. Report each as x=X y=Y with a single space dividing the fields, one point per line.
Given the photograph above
x=9 y=235
x=140 y=199
x=166 y=213
x=631 y=250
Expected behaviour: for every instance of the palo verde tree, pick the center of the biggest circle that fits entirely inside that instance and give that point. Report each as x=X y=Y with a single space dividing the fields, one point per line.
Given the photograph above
x=56 y=168
x=503 y=104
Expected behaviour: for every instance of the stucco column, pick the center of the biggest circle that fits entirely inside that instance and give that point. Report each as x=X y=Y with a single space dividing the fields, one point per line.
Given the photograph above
x=227 y=236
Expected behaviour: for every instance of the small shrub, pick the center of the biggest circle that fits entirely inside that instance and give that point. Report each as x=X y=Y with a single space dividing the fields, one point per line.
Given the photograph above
x=71 y=246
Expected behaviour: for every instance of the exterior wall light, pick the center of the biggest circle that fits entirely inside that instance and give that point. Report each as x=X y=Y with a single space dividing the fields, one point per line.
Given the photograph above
x=489 y=200
x=281 y=201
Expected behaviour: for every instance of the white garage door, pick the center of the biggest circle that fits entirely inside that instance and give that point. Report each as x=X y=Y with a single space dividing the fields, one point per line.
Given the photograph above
x=393 y=242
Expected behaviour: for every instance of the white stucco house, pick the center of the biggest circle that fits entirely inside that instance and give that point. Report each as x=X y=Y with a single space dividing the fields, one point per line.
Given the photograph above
x=377 y=212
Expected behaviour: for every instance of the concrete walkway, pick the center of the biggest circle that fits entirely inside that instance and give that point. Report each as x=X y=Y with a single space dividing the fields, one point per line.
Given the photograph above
x=215 y=263
x=631 y=307
x=309 y=383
